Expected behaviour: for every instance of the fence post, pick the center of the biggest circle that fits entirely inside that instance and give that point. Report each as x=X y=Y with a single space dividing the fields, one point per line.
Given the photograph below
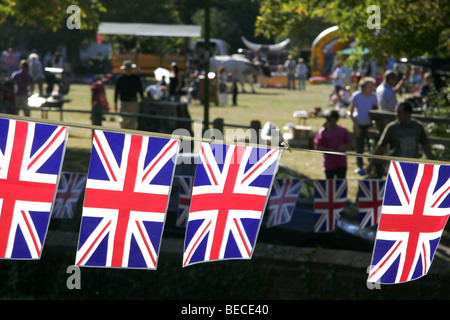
x=255 y=125
x=96 y=115
x=218 y=124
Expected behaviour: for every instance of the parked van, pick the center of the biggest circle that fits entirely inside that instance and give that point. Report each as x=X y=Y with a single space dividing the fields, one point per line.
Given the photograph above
x=216 y=46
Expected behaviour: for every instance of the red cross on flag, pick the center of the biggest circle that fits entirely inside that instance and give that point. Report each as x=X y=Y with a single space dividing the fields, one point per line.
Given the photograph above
x=127 y=193
x=415 y=210
x=231 y=187
x=30 y=163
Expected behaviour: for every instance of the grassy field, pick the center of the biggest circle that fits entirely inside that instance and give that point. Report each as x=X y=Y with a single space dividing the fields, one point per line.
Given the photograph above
x=267 y=104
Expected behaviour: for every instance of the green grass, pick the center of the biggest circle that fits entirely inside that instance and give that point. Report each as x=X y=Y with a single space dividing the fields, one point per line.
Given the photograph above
x=267 y=104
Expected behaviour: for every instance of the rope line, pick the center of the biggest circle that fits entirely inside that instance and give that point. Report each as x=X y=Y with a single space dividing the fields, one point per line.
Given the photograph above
x=171 y=136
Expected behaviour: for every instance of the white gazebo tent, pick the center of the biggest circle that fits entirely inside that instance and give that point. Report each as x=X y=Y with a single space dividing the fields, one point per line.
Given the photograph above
x=149 y=29
x=146 y=61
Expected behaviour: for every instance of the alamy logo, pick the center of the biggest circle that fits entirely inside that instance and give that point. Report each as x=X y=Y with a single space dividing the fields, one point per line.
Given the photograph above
x=74 y=21
x=374 y=20
x=74 y=280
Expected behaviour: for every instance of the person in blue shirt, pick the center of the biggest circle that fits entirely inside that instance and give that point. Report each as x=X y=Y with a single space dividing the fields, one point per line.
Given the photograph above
x=362 y=102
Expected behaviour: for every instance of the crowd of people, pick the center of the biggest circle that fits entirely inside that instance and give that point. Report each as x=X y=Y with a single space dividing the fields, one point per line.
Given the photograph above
x=129 y=90
x=11 y=59
x=296 y=73
x=403 y=137
x=225 y=83
x=22 y=73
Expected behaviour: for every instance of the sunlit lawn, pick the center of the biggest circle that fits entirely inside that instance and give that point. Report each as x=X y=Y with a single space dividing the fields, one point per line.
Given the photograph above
x=267 y=104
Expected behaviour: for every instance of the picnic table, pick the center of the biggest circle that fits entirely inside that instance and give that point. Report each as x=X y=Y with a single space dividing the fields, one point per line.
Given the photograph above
x=48 y=103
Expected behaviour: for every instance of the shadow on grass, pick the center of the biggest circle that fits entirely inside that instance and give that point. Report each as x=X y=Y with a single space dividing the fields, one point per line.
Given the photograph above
x=262 y=93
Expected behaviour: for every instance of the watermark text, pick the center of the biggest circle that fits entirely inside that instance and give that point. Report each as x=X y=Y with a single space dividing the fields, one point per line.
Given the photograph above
x=374 y=20
x=74 y=20
x=74 y=280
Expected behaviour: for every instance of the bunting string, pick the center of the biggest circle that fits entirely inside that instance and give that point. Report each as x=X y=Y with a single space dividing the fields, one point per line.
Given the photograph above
x=203 y=139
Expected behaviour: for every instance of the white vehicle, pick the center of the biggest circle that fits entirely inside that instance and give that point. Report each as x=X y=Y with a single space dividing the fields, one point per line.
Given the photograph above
x=216 y=46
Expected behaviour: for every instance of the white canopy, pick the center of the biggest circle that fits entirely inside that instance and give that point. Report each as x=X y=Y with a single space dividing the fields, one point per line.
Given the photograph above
x=149 y=29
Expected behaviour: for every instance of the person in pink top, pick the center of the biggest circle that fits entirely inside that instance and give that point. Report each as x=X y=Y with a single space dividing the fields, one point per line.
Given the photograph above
x=336 y=138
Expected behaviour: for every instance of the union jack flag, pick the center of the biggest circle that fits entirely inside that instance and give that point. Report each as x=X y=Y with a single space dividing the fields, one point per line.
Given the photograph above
x=414 y=213
x=126 y=199
x=184 y=200
x=30 y=163
x=370 y=200
x=231 y=187
x=330 y=197
x=282 y=201
x=69 y=190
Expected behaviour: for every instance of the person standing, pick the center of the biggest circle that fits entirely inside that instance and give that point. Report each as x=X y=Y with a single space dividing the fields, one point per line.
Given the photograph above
x=425 y=87
x=234 y=89
x=11 y=62
x=301 y=71
x=25 y=87
x=337 y=78
x=57 y=60
x=98 y=95
x=336 y=138
x=127 y=88
x=403 y=136
x=47 y=59
x=289 y=67
x=387 y=91
x=175 y=83
x=362 y=102
x=37 y=72
x=222 y=88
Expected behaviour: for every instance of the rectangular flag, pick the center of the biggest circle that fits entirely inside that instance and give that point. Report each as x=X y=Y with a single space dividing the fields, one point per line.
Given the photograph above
x=70 y=187
x=30 y=163
x=231 y=187
x=370 y=200
x=414 y=213
x=126 y=200
x=282 y=201
x=184 y=200
x=330 y=196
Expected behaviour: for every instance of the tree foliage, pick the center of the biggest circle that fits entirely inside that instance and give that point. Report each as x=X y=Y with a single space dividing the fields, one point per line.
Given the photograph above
x=50 y=14
x=232 y=19
x=407 y=27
